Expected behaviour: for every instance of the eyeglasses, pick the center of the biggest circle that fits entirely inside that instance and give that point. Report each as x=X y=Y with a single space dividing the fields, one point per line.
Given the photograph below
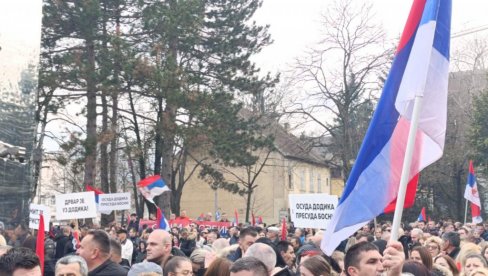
x=432 y=247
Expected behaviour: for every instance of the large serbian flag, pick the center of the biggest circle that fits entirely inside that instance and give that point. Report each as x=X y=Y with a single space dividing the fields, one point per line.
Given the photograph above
x=471 y=194
x=420 y=68
x=152 y=186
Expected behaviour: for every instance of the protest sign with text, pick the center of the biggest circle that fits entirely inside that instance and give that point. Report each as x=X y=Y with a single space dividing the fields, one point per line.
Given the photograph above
x=34 y=211
x=76 y=206
x=118 y=201
x=312 y=210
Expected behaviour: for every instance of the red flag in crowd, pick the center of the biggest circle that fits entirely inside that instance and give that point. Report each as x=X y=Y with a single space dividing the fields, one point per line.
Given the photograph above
x=284 y=231
x=40 y=242
x=253 y=220
x=236 y=216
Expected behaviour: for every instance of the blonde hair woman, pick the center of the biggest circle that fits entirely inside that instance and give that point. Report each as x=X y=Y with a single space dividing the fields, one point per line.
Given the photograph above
x=434 y=246
x=467 y=249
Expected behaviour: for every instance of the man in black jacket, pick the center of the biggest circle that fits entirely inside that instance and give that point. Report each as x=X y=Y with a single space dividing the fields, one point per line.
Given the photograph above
x=63 y=242
x=247 y=237
x=451 y=244
x=95 y=249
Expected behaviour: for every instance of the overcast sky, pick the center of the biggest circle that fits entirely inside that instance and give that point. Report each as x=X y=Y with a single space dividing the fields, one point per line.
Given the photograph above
x=295 y=24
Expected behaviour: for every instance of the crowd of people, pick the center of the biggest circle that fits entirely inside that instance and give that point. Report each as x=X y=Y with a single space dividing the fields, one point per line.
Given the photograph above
x=424 y=248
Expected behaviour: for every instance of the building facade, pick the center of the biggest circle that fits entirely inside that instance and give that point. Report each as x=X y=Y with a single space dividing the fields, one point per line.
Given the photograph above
x=293 y=168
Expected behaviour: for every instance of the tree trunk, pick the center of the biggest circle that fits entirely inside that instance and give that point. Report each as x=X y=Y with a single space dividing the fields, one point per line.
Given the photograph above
x=248 y=202
x=178 y=192
x=91 y=116
x=139 y=208
x=38 y=152
x=104 y=158
x=114 y=144
x=169 y=118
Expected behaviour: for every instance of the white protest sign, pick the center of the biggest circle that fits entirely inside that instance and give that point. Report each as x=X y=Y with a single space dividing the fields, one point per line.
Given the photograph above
x=76 y=206
x=118 y=201
x=312 y=210
x=34 y=211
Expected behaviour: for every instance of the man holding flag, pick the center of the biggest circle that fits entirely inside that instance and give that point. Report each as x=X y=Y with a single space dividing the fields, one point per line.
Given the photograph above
x=408 y=128
x=471 y=194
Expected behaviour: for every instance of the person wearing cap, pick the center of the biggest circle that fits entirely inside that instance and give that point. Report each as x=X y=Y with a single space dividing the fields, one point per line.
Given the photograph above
x=273 y=234
x=127 y=245
x=145 y=267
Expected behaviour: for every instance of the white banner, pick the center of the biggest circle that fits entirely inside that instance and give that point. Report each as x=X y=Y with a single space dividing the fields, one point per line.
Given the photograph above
x=109 y=202
x=312 y=210
x=76 y=206
x=34 y=211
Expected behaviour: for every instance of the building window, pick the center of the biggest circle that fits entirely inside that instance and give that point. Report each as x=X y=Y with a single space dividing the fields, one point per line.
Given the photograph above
x=302 y=181
x=53 y=200
x=336 y=173
x=311 y=181
x=319 y=184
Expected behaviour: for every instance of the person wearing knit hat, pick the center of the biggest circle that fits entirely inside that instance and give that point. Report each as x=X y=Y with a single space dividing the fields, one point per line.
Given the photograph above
x=136 y=269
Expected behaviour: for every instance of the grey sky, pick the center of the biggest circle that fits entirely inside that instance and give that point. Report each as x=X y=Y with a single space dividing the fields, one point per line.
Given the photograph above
x=295 y=24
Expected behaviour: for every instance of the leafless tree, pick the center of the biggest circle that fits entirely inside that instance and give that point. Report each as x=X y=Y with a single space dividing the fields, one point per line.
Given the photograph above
x=338 y=79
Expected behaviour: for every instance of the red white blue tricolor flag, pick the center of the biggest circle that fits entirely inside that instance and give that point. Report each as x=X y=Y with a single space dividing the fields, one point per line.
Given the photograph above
x=152 y=186
x=422 y=216
x=161 y=221
x=471 y=194
x=420 y=69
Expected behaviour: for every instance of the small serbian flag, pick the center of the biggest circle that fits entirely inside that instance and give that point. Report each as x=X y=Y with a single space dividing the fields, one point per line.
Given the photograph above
x=422 y=216
x=253 y=220
x=152 y=186
x=97 y=192
x=161 y=221
x=471 y=194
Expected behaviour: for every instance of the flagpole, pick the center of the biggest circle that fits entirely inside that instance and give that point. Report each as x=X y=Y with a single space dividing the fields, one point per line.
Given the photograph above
x=407 y=161
x=466 y=211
